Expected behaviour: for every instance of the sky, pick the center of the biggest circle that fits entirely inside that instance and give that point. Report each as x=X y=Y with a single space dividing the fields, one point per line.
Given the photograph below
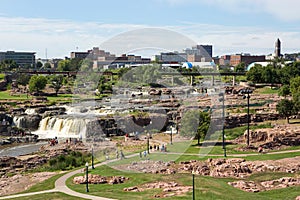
x=54 y=28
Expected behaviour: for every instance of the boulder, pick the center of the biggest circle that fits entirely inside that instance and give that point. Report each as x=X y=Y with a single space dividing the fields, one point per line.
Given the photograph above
x=251 y=186
x=98 y=179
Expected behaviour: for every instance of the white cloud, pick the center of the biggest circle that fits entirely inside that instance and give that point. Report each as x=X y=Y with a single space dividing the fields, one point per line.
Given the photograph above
x=287 y=10
x=60 y=37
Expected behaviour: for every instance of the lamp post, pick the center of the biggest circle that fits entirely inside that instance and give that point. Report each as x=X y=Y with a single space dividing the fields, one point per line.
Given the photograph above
x=171 y=135
x=193 y=185
x=93 y=167
x=87 y=173
x=222 y=95
x=148 y=136
x=248 y=92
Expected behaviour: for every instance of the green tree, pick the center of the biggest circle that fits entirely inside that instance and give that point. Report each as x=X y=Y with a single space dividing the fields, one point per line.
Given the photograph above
x=269 y=75
x=75 y=64
x=288 y=72
x=286 y=108
x=284 y=91
x=295 y=91
x=86 y=65
x=240 y=67
x=37 y=83
x=255 y=74
x=39 y=64
x=23 y=79
x=195 y=124
x=104 y=85
x=57 y=83
x=47 y=65
x=63 y=65
x=8 y=64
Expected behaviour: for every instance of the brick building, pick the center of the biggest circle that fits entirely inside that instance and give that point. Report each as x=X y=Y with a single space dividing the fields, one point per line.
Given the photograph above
x=247 y=59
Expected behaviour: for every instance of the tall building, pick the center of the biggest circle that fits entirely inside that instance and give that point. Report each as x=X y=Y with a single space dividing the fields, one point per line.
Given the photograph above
x=247 y=59
x=277 y=48
x=81 y=55
x=21 y=58
x=102 y=59
x=199 y=53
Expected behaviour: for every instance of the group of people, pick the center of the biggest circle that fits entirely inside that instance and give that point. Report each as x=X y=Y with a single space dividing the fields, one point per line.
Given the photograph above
x=53 y=141
x=119 y=155
x=74 y=140
x=155 y=147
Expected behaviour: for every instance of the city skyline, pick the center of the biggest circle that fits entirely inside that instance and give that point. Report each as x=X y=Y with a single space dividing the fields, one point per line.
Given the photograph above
x=230 y=26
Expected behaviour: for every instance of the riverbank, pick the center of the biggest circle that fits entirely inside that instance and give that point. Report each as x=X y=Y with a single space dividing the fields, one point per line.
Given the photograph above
x=19 y=149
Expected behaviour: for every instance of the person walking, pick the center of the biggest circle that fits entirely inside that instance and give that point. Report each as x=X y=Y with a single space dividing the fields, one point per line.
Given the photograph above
x=117 y=154
x=122 y=154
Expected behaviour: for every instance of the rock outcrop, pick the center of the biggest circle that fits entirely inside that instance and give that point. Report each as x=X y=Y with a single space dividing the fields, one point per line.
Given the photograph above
x=231 y=167
x=98 y=179
x=169 y=188
x=273 y=138
x=251 y=186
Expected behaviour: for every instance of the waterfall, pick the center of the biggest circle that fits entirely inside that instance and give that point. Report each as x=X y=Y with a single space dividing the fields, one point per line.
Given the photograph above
x=43 y=124
x=18 y=121
x=63 y=127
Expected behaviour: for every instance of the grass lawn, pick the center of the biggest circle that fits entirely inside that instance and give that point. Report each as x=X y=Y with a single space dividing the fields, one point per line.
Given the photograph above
x=205 y=187
x=49 y=196
x=192 y=147
x=266 y=156
x=5 y=95
x=62 y=97
x=233 y=133
x=2 y=76
x=45 y=185
x=267 y=90
x=269 y=156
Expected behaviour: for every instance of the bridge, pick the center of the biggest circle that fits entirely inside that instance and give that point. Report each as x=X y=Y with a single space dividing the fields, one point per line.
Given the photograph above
x=212 y=74
x=172 y=74
x=68 y=73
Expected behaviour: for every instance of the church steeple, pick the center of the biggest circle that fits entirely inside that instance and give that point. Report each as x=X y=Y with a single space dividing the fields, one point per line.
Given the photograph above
x=277 y=48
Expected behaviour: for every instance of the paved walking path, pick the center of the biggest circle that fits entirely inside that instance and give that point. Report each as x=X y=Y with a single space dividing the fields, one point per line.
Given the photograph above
x=60 y=183
x=28 y=194
x=232 y=155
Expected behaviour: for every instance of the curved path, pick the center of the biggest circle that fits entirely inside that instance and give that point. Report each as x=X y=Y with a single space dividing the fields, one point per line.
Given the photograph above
x=60 y=183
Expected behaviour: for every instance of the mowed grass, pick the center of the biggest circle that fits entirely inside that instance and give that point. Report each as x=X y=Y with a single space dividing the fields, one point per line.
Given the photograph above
x=5 y=95
x=2 y=76
x=205 y=187
x=62 y=97
x=49 y=196
x=267 y=90
x=44 y=185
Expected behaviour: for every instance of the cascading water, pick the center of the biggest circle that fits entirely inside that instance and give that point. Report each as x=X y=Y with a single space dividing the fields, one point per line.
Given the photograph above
x=63 y=127
x=78 y=121
x=19 y=121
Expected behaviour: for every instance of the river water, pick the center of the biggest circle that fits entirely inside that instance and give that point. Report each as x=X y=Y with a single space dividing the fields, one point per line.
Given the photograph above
x=22 y=149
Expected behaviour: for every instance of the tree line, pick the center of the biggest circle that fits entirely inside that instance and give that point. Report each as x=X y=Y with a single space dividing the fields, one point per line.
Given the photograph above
x=288 y=76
